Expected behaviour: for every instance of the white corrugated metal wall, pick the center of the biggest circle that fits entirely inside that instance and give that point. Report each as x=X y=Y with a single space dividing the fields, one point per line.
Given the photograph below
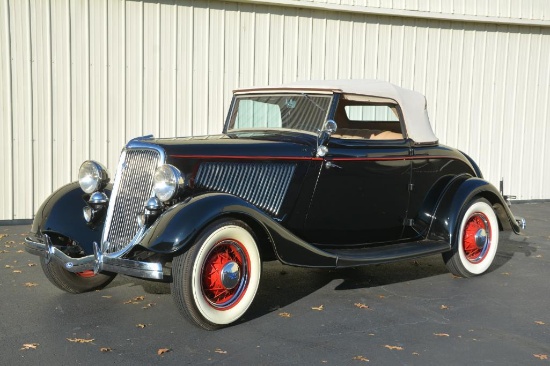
x=78 y=78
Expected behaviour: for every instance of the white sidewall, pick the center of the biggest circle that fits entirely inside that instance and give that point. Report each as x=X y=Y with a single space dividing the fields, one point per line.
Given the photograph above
x=212 y=314
x=481 y=267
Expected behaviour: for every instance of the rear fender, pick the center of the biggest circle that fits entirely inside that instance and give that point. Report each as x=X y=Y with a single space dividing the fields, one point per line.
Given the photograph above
x=458 y=193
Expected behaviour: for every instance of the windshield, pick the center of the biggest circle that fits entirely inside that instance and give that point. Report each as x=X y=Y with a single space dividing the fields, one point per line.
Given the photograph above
x=297 y=111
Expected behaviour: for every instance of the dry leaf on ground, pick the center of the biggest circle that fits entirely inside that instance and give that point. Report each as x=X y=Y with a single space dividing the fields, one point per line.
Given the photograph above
x=361 y=358
x=318 y=308
x=135 y=300
x=20 y=251
x=444 y=307
x=219 y=350
x=141 y=325
x=31 y=264
x=285 y=315
x=30 y=284
x=162 y=351
x=362 y=306
x=539 y=322
x=150 y=305
x=17 y=271
x=29 y=346
x=397 y=348
x=441 y=334
x=3 y=235
x=105 y=349
x=80 y=340
x=541 y=357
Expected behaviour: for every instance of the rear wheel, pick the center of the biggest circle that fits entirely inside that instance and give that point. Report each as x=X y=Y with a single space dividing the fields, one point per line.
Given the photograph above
x=476 y=241
x=215 y=281
x=74 y=283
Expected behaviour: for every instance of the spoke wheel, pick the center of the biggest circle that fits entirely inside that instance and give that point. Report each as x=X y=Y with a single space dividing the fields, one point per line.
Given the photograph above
x=476 y=242
x=215 y=281
x=225 y=274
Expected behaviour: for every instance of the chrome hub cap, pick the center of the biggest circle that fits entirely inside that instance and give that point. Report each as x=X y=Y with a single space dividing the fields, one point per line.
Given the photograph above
x=481 y=238
x=230 y=275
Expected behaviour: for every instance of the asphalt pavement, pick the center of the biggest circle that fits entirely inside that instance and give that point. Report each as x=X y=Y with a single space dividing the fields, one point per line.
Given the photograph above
x=407 y=313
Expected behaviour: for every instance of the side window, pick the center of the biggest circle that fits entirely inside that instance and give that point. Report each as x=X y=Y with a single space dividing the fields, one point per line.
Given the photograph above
x=367 y=120
x=374 y=113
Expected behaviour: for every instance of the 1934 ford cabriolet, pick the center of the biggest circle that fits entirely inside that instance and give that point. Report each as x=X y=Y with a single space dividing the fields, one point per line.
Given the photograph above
x=317 y=174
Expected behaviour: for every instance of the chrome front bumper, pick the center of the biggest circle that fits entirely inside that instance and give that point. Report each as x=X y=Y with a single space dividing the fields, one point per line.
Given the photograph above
x=97 y=262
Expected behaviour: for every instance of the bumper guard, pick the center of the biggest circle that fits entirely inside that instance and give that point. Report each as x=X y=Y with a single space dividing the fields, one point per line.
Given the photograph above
x=97 y=262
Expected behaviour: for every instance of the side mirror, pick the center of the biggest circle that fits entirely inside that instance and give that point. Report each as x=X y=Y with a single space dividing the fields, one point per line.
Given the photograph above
x=324 y=135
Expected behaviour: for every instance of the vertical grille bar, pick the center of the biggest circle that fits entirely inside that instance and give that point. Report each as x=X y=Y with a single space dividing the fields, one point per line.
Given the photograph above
x=262 y=184
x=132 y=188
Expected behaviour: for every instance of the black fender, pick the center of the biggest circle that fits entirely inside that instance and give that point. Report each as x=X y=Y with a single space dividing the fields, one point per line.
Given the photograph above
x=459 y=191
x=177 y=228
x=61 y=215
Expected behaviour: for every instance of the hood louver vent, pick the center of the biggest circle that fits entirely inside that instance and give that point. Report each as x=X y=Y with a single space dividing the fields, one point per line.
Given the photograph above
x=262 y=184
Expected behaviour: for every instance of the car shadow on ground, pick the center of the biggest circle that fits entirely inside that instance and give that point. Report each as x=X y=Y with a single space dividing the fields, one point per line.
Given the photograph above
x=283 y=285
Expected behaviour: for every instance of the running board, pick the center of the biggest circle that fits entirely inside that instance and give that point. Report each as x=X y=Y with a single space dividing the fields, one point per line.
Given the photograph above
x=386 y=253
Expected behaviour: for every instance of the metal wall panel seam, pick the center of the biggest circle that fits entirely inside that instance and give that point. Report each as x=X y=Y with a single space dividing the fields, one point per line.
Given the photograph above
x=72 y=172
x=176 y=69
x=533 y=135
x=6 y=34
x=31 y=110
x=402 y=13
x=530 y=97
x=545 y=124
x=36 y=205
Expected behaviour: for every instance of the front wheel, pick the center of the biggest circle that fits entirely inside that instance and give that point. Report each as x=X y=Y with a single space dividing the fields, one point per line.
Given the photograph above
x=74 y=283
x=215 y=281
x=476 y=240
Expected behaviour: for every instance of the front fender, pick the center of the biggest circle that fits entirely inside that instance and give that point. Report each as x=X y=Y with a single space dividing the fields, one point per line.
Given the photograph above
x=178 y=227
x=458 y=193
x=61 y=214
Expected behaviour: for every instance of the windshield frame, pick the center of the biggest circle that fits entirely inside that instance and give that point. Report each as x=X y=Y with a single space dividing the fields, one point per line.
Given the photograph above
x=231 y=115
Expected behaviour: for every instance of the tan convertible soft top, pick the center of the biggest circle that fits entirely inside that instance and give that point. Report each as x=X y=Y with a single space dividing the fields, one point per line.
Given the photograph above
x=413 y=104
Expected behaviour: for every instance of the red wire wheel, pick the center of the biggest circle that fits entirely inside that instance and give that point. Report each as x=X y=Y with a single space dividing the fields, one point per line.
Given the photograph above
x=476 y=239
x=475 y=245
x=225 y=274
x=86 y=274
x=215 y=281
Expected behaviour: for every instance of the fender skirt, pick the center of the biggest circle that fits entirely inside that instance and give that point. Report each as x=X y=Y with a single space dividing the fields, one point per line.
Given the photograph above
x=177 y=228
x=457 y=194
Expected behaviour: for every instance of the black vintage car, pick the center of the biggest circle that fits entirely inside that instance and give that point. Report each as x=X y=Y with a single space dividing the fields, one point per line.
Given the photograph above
x=317 y=174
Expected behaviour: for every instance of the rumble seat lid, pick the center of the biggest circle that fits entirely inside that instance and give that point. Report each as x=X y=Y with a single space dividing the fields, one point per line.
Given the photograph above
x=412 y=103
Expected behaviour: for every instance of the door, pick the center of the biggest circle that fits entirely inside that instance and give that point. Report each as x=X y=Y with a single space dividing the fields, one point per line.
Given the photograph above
x=362 y=193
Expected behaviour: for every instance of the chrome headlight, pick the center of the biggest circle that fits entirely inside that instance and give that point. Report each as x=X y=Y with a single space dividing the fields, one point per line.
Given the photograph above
x=92 y=176
x=167 y=182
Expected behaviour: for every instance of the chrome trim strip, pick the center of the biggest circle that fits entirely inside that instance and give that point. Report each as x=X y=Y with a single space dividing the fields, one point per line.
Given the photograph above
x=97 y=262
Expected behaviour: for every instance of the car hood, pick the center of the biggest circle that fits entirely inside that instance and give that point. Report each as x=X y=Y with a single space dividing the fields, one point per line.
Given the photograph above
x=253 y=145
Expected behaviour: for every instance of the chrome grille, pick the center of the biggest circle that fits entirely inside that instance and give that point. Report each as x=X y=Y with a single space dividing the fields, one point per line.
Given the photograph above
x=132 y=188
x=262 y=184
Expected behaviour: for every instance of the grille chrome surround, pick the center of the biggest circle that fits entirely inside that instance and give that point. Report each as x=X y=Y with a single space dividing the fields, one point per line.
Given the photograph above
x=133 y=186
x=262 y=184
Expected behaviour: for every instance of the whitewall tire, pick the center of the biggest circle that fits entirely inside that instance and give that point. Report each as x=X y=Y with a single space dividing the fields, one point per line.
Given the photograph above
x=476 y=240
x=215 y=281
